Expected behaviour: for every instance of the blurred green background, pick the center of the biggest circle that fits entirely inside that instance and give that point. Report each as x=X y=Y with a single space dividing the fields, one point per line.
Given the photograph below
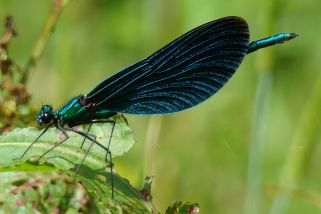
x=253 y=148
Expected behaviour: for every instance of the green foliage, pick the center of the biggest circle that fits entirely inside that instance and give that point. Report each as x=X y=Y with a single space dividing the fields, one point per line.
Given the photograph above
x=43 y=193
x=35 y=179
x=206 y=147
x=14 y=143
x=45 y=186
x=65 y=158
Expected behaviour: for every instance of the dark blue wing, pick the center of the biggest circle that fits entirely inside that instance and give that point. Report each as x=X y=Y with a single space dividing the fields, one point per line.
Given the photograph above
x=181 y=75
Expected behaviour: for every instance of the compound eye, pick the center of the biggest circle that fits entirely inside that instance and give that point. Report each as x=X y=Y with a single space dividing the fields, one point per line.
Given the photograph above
x=47 y=118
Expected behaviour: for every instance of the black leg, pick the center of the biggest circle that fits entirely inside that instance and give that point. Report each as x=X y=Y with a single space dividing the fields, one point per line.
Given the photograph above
x=112 y=129
x=58 y=144
x=87 y=152
x=111 y=134
x=92 y=139
x=110 y=160
x=109 y=141
x=111 y=170
x=112 y=173
x=84 y=137
x=29 y=147
x=83 y=159
x=108 y=157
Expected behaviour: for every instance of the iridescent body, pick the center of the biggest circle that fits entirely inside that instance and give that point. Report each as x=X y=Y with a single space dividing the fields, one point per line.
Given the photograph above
x=272 y=40
x=72 y=114
x=179 y=76
x=77 y=111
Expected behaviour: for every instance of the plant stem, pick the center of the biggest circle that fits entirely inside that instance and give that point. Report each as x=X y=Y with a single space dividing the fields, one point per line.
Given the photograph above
x=260 y=121
x=48 y=29
x=303 y=143
x=152 y=136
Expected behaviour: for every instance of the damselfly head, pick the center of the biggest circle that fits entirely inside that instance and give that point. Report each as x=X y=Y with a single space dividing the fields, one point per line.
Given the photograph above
x=45 y=115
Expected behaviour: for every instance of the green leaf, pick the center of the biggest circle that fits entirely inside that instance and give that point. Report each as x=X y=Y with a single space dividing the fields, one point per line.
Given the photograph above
x=67 y=155
x=94 y=175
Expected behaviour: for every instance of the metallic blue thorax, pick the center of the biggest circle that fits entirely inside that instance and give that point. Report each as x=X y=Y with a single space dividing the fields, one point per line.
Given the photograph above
x=74 y=113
